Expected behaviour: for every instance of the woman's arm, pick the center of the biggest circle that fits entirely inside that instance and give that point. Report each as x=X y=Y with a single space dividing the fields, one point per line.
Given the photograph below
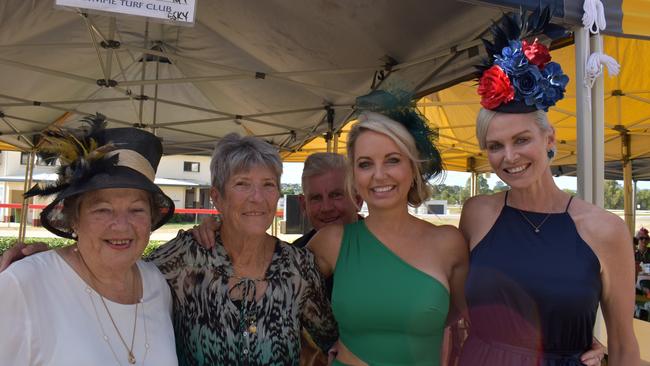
x=315 y=311
x=457 y=319
x=617 y=298
x=173 y=256
x=15 y=327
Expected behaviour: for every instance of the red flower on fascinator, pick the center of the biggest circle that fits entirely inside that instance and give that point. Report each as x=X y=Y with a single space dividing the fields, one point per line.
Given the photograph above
x=494 y=88
x=536 y=53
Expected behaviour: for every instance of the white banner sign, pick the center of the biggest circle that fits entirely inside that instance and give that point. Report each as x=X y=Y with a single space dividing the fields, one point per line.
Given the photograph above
x=181 y=11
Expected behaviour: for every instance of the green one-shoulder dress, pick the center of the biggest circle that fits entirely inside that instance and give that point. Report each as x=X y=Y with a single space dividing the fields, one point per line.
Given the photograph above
x=388 y=312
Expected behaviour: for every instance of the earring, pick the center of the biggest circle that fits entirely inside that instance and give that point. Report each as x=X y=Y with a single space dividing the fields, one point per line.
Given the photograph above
x=74 y=235
x=550 y=154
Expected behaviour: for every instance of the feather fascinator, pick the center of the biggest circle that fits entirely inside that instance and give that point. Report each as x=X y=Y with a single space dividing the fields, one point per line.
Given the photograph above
x=399 y=106
x=94 y=157
x=81 y=153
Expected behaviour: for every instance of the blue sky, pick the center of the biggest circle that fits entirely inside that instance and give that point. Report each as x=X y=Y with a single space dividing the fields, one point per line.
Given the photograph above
x=292 y=172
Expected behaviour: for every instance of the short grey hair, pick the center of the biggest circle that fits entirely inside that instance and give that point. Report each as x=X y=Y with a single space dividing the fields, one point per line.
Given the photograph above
x=234 y=154
x=320 y=163
x=371 y=121
x=485 y=116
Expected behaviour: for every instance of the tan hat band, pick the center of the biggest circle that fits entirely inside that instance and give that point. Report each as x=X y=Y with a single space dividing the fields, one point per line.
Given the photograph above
x=135 y=161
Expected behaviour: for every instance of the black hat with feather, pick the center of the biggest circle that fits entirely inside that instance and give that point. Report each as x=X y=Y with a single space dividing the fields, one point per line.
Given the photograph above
x=517 y=76
x=94 y=157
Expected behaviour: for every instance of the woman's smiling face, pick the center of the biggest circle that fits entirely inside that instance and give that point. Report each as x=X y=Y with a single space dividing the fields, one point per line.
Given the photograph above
x=114 y=225
x=518 y=148
x=382 y=171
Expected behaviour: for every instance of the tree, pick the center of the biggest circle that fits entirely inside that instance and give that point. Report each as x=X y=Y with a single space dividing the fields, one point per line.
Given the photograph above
x=483 y=187
x=613 y=195
x=446 y=193
x=288 y=188
x=500 y=187
x=643 y=199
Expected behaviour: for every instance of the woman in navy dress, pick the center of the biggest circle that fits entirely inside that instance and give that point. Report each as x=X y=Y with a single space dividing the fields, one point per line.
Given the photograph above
x=541 y=261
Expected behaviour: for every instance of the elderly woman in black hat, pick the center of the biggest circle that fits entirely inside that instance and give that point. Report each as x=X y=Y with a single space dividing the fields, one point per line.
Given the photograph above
x=541 y=261
x=95 y=302
x=244 y=301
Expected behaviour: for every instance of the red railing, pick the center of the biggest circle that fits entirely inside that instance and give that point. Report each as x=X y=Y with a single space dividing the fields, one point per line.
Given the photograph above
x=196 y=211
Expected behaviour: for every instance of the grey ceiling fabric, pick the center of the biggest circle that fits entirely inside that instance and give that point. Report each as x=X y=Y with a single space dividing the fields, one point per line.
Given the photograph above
x=267 y=68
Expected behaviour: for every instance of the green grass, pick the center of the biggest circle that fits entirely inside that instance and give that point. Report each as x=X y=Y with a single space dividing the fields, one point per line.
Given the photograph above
x=6 y=242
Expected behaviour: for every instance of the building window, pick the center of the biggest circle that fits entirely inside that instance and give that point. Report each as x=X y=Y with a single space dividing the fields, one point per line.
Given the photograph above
x=24 y=158
x=191 y=166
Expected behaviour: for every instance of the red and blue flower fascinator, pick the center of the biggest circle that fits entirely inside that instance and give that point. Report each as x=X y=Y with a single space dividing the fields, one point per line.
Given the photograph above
x=518 y=76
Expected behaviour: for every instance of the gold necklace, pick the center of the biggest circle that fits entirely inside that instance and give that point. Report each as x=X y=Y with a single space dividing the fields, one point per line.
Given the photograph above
x=129 y=350
x=535 y=227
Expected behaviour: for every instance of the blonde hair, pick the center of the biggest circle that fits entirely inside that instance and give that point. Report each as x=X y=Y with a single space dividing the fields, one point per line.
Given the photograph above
x=371 y=121
x=485 y=116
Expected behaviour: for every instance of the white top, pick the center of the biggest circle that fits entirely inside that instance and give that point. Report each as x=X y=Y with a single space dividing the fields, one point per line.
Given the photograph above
x=50 y=316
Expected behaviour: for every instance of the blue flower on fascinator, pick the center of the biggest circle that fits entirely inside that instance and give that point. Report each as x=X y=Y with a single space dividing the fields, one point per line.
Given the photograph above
x=518 y=76
x=527 y=82
x=512 y=58
x=553 y=85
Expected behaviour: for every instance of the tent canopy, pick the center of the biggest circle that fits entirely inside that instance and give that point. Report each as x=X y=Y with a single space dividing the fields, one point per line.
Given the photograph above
x=629 y=18
x=283 y=70
x=452 y=111
x=286 y=71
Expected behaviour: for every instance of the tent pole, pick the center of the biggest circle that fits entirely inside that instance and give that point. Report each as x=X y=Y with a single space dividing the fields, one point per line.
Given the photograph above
x=474 y=185
x=598 y=129
x=583 y=118
x=144 y=70
x=628 y=187
x=155 y=98
x=628 y=196
x=337 y=136
x=329 y=136
x=49 y=72
x=29 y=171
x=109 y=50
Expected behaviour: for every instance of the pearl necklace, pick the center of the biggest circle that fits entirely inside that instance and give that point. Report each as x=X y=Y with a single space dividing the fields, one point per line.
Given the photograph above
x=89 y=290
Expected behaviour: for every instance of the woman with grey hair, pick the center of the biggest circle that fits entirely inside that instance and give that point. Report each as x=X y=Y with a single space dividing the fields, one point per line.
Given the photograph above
x=244 y=301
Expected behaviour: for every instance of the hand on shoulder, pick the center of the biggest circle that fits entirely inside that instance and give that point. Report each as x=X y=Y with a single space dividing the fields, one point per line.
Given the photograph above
x=325 y=245
x=19 y=251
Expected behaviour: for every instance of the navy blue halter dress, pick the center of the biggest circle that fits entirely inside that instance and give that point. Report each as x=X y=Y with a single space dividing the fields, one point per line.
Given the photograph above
x=532 y=296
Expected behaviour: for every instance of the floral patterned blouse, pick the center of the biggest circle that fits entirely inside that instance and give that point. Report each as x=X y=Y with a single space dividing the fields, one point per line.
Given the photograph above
x=213 y=329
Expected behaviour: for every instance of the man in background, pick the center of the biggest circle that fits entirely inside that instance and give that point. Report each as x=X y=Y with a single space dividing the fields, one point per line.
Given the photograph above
x=324 y=200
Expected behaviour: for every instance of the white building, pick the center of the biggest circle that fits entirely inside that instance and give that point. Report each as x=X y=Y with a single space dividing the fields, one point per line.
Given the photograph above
x=184 y=178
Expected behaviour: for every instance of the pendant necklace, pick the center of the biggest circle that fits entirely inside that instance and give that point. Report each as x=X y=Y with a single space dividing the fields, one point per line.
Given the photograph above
x=536 y=228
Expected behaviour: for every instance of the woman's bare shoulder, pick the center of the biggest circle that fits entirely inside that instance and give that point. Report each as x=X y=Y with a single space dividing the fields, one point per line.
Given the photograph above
x=446 y=238
x=327 y=235
x=483 y=202
x=479 y=215
x=598 y=226
x=325 y=245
